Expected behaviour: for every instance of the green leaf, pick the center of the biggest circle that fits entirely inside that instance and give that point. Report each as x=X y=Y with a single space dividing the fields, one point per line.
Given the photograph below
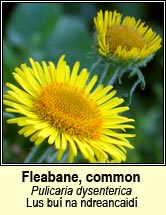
x=10 y=61
x=32 y=23
x=71 y=38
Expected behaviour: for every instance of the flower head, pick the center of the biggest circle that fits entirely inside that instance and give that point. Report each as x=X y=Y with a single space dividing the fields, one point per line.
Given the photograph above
x=58 y=104
x=126 y=38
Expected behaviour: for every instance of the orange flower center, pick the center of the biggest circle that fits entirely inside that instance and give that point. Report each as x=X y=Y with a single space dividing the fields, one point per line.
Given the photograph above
x=69 y=110
x=124 y=37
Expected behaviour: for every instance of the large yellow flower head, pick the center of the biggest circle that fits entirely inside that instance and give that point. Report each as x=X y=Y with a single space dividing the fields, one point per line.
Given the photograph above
x=61 y=106
x=125 y=38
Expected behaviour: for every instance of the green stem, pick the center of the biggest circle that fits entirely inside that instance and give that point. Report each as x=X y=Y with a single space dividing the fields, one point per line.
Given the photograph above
x=44 y=154
x=39 y=153
x=103 y=75
x=95 y=66
x=132 y=91
x=30 y=157
x=115 y=76
x=140 y=80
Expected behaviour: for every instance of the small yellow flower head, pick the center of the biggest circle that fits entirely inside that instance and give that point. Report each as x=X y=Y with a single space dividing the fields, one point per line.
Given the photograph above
x=126 y=38
x=58 y=105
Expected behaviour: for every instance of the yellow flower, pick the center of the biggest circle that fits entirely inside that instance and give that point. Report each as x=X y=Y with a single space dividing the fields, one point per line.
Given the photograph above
x=59 y=105
x=124 y=38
